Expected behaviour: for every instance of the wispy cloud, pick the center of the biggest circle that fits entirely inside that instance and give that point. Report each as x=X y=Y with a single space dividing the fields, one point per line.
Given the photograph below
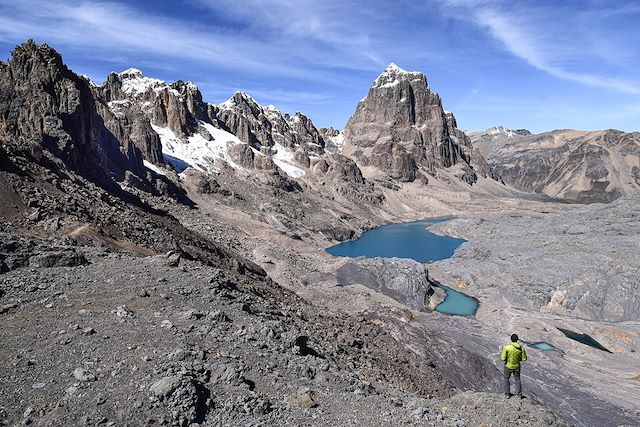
x=118 y=28
x=553 y=43
x=342 y=26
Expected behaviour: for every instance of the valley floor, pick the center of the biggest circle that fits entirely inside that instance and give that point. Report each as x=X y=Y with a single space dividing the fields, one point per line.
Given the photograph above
x=515 y=263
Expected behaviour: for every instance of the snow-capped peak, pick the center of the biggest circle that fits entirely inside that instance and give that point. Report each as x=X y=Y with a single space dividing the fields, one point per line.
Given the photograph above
x=498 y=131
x=392 y=75
x=131 y=73
x=135 y=83
x=393 y=68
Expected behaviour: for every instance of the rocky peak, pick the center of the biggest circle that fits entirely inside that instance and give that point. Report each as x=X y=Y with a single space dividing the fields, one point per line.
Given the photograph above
x=242 y=100
x=401 y=128
x=134 y=83
x=43 y=103
x=31 y=57
x=131 y=73
x=306 y=132
x=244 y=117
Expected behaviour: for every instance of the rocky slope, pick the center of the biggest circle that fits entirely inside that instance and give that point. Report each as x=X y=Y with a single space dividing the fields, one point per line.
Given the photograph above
x=401 y=129
x=578 y=166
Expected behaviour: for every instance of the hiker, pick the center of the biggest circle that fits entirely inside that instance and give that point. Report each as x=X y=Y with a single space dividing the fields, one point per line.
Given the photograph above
x=512 y=354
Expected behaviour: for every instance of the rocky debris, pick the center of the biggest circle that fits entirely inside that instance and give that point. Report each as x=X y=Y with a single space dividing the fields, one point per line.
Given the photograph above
x=480 y=407
x=585 y=260
x=578 y=166
x=260 y=355
x=401 y=128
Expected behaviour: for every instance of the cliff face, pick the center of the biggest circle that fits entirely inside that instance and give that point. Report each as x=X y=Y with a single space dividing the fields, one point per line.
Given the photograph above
x=401 y=128
x=261 y=126
x=44 y=104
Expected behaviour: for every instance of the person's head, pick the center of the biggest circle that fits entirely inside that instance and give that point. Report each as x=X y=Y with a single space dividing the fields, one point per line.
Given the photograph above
x=514 y=338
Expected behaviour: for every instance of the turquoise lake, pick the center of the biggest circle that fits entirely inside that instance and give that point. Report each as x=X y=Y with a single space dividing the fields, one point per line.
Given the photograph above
x=543 y=346
x=411 y=240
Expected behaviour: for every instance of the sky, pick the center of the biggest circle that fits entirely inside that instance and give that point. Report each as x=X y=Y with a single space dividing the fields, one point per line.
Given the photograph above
x=533 y=64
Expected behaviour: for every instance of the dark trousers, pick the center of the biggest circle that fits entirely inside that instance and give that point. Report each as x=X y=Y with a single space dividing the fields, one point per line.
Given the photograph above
x=516 y=375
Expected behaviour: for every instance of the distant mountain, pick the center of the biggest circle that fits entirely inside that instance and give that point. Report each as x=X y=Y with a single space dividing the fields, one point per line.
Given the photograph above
x=401 y=129
x=579 y=166
x=496 y=132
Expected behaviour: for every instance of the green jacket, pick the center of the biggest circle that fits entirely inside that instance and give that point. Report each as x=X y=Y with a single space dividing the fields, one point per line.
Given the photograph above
x=512 y=354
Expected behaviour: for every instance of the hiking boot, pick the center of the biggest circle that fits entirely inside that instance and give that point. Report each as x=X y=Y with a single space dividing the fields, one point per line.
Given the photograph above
x=508 y=395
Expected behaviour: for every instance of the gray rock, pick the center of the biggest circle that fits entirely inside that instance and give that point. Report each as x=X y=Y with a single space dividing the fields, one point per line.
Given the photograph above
x=304 y=400
x=164 y=387
x=123 y=311
x=65 y=120
x=83 y=375
x=67 y=258
x=404 y=280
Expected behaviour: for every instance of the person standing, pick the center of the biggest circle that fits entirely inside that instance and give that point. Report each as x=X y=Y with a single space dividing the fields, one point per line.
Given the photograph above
x=512 y=354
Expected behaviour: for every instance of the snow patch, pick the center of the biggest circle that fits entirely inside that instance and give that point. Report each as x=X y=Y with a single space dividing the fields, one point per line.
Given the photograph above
x=118 y=107
x=283 y=158
x=498 y=130
x=393 y=68
x=396 y=82
x=156 y=169
x=231 y=102
x=88 y=79
x=337 y=141
x=197 y=151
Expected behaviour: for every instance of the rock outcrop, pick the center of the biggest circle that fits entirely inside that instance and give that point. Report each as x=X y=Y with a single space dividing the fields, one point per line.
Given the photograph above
x=401 y=128
x=578 y=166
x=44 y=105
x=404 y=280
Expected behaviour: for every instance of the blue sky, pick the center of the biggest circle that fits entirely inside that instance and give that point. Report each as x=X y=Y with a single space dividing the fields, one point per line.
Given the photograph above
x=539 y=65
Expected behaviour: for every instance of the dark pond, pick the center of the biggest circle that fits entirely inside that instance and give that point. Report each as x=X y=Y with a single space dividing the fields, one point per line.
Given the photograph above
x=584 y=339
